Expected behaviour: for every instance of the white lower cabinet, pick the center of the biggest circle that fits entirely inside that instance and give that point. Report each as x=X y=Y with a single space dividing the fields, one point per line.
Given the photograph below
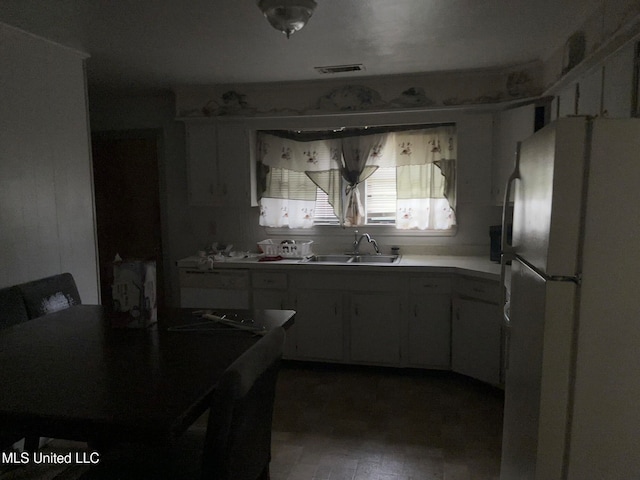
x=269 y=291
x=476 y=333
x=319 y=325
x=214 y=288
x=429 y=323
x=375 y=324
x=270 y=299
x=389 y=320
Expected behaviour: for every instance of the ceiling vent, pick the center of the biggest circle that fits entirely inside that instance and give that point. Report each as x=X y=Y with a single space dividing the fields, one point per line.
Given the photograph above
x=356 y=67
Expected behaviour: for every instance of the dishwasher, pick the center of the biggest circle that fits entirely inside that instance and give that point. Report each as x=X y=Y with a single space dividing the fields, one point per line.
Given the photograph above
x=214 y=288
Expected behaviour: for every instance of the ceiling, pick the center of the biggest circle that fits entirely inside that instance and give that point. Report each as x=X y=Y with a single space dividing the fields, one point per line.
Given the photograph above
x=157 y=44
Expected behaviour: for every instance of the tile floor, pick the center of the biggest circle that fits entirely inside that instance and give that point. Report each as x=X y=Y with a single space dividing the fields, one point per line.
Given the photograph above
x=357 y=423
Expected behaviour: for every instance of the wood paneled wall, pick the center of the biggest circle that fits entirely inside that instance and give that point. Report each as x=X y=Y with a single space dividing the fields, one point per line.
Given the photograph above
x=46 y=194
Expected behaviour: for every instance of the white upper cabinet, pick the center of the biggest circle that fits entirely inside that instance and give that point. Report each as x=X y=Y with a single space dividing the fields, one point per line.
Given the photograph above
x=218 y=158
x=510 y=127
x=606 y=89
x=590 y=93
x=618 y=91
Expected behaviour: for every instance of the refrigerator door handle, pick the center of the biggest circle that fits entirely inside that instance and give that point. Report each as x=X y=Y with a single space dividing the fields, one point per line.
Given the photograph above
x=504 y=303
x=508 y=253
x=507 y=213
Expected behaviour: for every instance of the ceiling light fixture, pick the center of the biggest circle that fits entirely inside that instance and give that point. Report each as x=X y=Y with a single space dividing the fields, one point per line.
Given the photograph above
x=288 y=16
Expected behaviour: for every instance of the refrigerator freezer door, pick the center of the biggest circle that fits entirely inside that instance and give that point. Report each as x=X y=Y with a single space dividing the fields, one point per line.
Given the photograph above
x=549 y=197
x=537 y=377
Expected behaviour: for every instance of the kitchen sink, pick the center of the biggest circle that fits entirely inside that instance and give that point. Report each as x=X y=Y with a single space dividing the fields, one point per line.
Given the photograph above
x=330 y=258
x=375 y=259
x=346 y=258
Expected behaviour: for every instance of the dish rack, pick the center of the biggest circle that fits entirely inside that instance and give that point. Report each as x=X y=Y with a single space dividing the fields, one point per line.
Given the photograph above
x=287 y=248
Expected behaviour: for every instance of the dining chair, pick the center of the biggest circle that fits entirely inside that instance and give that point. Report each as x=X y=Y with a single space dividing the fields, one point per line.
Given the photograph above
x=237 y=442
x=49 y=294
x=31 y=300
x=12 y=307
x=12 y=312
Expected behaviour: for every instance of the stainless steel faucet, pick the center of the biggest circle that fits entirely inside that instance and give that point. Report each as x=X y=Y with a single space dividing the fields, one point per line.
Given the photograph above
x=358 y=240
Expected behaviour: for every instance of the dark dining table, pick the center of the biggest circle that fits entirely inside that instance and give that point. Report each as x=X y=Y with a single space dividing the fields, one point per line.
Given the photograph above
x=71 y=375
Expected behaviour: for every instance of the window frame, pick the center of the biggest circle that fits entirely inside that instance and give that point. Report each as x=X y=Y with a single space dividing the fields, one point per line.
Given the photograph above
x=356 y=120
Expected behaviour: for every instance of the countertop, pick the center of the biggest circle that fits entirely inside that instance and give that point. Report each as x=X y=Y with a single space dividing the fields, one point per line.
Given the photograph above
x=477 y=266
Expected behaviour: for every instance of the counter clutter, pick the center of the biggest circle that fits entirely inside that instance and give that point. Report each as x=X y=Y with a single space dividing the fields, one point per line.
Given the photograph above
x=476 y=266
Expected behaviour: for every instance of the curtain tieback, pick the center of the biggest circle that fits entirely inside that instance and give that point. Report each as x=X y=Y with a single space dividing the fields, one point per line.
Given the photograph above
x=350 y=187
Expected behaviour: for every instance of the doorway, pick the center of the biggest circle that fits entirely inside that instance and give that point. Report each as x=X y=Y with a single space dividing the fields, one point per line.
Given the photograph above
x=127 y=195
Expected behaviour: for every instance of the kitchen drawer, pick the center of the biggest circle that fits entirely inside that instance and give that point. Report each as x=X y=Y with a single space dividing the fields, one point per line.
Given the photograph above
x=373 y=282
x=485 y=290
x=427 y=285
x=218 y=279
x=274 y=280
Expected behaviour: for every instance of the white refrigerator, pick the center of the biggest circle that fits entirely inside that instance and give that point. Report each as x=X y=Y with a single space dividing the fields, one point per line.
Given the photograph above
x=572 y=380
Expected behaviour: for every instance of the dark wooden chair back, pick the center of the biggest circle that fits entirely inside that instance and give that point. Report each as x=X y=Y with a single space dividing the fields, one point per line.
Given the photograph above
x=238 y=439
x=12 y=312
x=49 y=294
x=12 y=307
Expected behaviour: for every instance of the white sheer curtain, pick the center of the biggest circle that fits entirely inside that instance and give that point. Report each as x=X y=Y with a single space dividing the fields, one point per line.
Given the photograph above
x=289 y=195
x=358 y=160
x=425 y=177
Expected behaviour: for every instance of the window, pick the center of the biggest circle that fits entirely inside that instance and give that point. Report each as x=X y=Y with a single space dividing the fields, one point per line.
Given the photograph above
x=379 y=200
x=398 y=176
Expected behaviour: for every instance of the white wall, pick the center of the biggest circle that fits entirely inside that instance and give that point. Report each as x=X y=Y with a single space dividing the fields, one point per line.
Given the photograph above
x=236 y=222
x=46 y=197
x=187 y=228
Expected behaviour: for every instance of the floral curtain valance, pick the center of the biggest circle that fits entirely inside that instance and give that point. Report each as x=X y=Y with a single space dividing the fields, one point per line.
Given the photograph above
x=412 y=147
x=318 y=155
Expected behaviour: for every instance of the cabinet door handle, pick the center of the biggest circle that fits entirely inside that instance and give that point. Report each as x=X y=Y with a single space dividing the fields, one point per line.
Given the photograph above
x=357 y=312
x=415 y=310
x=335 y=309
